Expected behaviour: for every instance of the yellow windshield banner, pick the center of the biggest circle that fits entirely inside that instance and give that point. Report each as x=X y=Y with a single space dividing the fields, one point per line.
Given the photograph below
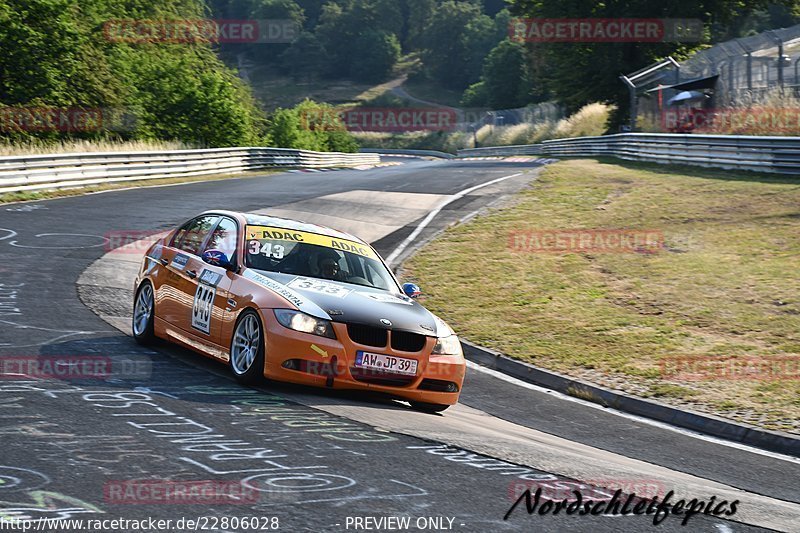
x=290 y=235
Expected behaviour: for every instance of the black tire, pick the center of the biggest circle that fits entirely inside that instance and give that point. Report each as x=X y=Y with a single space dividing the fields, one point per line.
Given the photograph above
x=431 y=408
x=144 y=312
x=243 y=341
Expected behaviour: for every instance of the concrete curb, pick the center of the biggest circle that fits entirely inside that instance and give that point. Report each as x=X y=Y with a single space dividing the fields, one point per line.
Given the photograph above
x=701 y=423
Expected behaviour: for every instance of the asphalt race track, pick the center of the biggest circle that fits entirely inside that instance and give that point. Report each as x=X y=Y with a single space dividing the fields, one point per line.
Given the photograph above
x=316 y=460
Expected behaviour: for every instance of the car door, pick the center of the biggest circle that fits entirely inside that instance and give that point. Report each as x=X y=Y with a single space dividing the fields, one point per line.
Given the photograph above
x=181 y=263
x=170 y=301
x=210 y=284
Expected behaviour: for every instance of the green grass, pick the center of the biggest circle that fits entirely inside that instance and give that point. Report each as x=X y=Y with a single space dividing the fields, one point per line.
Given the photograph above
x=726 y=284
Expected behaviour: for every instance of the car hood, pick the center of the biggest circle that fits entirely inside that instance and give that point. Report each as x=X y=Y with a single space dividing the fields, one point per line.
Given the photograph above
x=355 y=304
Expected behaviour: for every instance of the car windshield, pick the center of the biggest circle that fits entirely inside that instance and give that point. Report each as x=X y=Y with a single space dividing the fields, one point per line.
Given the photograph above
x=314 y=255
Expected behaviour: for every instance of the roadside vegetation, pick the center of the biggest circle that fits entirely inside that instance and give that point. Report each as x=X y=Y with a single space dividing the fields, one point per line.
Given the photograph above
x=40 y=147
x=56 y=55
x=60 y=54
x=592 y=119
x=723 y=287
x=66 y=79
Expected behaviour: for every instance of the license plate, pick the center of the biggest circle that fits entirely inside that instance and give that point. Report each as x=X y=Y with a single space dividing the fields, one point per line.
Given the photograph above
x=386 y=363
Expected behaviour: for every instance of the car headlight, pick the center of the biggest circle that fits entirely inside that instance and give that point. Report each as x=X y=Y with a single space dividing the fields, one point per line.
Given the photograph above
x=447 y=346
x=306 y=323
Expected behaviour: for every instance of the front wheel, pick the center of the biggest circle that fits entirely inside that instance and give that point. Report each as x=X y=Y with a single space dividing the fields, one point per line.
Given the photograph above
x=247 y=349
x=143 y=314
x=429 y=407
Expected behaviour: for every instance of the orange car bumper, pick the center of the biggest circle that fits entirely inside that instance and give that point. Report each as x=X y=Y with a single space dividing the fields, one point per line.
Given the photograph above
x=307 y=359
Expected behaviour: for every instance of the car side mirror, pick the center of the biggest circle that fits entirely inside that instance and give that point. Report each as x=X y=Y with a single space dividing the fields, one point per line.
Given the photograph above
x=411 y=290
x=218 y=259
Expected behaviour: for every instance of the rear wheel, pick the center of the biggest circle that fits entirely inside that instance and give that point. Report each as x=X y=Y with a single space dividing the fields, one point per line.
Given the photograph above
x=143 y=314
x=247 y=349
x=429 y=407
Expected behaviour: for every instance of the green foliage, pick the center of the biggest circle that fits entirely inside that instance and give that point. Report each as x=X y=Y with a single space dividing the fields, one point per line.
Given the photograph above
x=305 y=57
x=476 y=95
x=360 y=38
x=274 y=10
x=505 y=82
x=56 y=54
x=455 y=41
x=310 y=126
x=380 y=51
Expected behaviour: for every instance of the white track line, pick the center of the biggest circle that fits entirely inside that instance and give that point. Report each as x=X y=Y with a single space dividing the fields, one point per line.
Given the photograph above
x=655 y=423
x=427 y=220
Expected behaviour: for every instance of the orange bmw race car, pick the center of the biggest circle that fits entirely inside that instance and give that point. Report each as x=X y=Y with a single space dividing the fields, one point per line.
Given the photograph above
x=295 y=302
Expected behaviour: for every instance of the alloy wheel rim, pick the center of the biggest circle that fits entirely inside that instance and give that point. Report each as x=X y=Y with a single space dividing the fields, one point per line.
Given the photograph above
x=246 y=342
x=143 y=310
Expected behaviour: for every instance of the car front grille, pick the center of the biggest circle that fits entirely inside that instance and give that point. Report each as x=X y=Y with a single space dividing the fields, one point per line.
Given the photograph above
x=371 y=336
x=408 y=342
x=367 y=335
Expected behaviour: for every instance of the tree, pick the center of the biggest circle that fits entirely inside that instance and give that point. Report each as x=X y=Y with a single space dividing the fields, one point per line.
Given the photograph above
x=418 y=14
x=380 y=51
x=505 y=81
x=305 y=57
x=56 y=54
x=348 y=32
x=455 y=41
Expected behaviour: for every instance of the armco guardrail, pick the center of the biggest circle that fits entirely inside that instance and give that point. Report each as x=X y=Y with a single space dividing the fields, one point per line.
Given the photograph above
x=52 y=171
x=743 y=152
x=522 y=149
x=779 y=155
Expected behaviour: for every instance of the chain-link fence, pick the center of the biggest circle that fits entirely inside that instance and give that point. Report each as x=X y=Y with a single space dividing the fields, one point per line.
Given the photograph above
x=734 y=74
x=471 y=119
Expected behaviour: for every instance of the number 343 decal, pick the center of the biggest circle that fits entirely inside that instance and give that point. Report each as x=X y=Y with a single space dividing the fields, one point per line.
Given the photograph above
x=204 y=300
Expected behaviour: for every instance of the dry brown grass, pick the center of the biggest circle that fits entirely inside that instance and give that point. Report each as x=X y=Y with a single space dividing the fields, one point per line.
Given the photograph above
x=723 y=286
x=35 y=148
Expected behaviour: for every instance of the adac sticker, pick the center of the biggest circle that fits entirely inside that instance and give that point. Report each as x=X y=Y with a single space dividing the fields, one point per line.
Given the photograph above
x=283 y=234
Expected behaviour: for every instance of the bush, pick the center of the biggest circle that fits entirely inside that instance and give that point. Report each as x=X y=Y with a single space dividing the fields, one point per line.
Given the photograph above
x=310 y=126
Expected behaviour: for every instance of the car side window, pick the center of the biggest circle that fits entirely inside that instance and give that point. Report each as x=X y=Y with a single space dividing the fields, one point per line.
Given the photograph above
x=190 y=238
x=223 y=238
